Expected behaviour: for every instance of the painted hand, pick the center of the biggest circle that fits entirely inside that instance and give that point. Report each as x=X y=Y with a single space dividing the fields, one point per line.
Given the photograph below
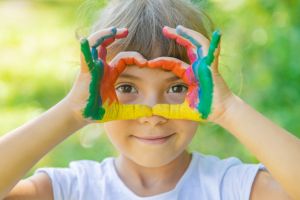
x=102 y=104
x=212 y=95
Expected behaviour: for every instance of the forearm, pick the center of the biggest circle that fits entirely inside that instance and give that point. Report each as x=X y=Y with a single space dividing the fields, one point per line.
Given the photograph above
x=21 y=148
x=275 y=147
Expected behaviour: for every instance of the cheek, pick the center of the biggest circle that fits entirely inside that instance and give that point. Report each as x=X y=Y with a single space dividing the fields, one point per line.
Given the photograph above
x=175 y=98
x=186 y=129
x=116 y=131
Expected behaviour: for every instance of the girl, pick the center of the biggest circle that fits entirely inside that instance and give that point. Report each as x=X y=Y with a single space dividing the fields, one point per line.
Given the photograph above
x=153 y=162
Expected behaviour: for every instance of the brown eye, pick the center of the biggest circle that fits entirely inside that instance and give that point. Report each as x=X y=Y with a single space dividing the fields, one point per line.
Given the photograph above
x=180 y=88
x=126 y=89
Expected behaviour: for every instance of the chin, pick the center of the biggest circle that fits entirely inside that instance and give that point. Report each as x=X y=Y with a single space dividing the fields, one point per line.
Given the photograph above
x=153 y=160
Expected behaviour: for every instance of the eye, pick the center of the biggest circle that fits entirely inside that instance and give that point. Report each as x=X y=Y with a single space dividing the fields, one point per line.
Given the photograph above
x=126 y=88
x=179 y=88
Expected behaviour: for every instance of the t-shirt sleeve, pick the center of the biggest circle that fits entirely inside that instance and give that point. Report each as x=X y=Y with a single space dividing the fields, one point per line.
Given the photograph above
x=64 y=182
x=69 y=183
x=238 y=180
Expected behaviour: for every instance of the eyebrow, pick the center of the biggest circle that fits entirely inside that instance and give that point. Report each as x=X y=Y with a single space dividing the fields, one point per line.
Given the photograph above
x=172 y=78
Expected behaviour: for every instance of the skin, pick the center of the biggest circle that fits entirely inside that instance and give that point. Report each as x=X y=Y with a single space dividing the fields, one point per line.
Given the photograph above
x=155 y=172
x=280 y=153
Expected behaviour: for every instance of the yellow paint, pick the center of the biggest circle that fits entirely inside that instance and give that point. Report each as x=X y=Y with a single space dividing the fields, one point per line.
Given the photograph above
x=117 y=111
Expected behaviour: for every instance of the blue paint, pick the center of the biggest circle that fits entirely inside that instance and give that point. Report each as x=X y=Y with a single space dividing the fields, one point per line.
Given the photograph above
x=203 y=74
x=94 y=53
x=188 y=37
x=199 y=52
x=102 y=39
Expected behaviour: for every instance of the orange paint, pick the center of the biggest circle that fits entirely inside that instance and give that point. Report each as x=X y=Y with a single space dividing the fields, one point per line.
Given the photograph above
x=111 y=74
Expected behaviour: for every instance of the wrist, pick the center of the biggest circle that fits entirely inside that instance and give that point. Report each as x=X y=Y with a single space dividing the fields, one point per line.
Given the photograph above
x=72 y=114
x=232 y=107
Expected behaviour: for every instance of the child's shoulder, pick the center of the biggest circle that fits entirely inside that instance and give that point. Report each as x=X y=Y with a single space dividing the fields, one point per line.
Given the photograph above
x=81 y=177
x=229 y=177
x=211 y=163
x=225 y=168
x=81 y=167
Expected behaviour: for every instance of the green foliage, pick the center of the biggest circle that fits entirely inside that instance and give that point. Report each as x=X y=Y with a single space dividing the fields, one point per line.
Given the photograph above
x=39 y=58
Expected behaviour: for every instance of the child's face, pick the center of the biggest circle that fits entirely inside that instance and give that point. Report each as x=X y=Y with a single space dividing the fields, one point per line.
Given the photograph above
x=150 y=141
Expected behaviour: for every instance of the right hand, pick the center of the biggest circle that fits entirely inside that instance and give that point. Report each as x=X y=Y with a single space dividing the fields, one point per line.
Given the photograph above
x=92 y=97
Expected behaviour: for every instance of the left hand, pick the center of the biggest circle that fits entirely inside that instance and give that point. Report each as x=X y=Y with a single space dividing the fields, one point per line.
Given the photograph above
x=199 y=48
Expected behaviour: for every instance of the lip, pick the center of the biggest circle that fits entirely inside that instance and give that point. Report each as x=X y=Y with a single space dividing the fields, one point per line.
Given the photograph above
x=154 y=139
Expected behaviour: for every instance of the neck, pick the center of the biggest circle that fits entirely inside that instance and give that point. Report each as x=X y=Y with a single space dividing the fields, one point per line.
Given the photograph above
x=145 y=181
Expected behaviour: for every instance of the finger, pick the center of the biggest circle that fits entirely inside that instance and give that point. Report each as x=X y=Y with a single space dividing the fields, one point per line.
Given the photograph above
x=190 y=47
x=164 y=61
x=93 y=41
x=122 y=59
x=216 y=36
x=105 y=37
x=106 y=40
x=97 y=38
x=93 y=107
x=83 y=67
x=215 y=63
x=175 y=65
x=195 y=38
x=86 y=56
x=128 y=58
x=204 y=75
x=121 y=33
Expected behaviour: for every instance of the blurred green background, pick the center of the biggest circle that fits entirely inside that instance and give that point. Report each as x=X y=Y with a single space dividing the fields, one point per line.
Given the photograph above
x=39 y=61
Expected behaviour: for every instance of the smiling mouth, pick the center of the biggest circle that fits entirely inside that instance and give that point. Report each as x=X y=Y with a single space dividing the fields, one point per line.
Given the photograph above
x=154 y=139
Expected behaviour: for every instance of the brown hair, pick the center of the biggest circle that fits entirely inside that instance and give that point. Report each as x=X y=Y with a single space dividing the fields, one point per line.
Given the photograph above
x=145 y=20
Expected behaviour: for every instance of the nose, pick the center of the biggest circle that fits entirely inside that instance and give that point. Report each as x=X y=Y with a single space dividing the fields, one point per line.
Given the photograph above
x=153 y=97
x=153 y=120
x=151 y=100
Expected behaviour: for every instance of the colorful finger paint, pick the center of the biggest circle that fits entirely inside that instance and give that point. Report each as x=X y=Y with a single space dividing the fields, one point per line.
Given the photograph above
x=103 y=105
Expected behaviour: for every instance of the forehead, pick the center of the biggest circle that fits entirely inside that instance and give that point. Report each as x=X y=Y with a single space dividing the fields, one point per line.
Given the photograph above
x=133 y=71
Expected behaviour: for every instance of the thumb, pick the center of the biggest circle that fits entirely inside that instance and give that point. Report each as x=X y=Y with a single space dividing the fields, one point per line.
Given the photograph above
x=83 y=66
x=215 y=64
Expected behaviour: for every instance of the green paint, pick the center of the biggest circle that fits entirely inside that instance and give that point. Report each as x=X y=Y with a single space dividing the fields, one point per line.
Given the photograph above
x=203 y=72
x=93 y=107
x=85 y=49
x=216 y=36
x=206 y=83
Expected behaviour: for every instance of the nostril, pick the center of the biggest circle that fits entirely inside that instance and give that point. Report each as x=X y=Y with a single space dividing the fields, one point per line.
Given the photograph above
x=153 y=120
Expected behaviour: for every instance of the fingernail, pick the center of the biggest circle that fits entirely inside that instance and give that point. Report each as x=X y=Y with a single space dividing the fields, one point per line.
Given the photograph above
x=179 y=30
x=114 y=30
x=179 y=27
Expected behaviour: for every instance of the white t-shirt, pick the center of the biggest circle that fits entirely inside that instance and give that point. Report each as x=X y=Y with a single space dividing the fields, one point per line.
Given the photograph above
x=207 y=178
